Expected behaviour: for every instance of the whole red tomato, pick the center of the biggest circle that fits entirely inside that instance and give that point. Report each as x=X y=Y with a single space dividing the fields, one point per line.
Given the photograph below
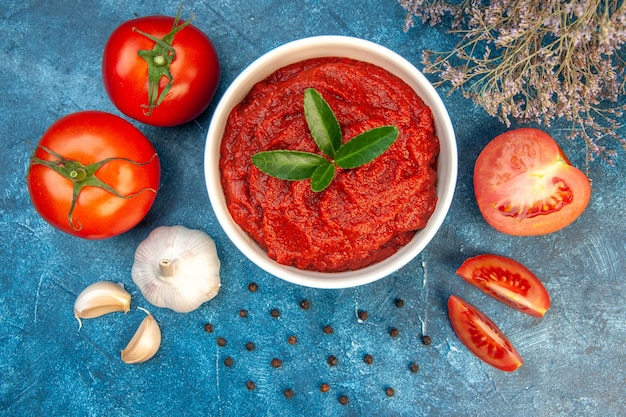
x=160 y=71
x=93 y=175
x=525 y=185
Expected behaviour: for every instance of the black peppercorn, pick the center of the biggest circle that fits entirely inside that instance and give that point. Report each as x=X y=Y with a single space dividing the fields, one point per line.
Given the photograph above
x=221 y=341
x=208 y=328
x=250 y=346
x=343 y=399
x=250 y=385
x=328 y=330
x=414 y=368
x=332 y=360
x=243 y=313
x=363 y=315
x=399 y=302
x=426 y=340
x=368 y=359
x=324 y=387
x=229 y=361
x=305 y=304
x=292 y=340
x=275 y=313
x=288 y=392
x=276 y=363
x=393 y=332
x=390 y=392
x=253 y=287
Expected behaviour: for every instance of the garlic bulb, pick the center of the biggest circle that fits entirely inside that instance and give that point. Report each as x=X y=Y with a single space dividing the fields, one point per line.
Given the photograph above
x=177 y=268
x=99 y=299
x=145 y=342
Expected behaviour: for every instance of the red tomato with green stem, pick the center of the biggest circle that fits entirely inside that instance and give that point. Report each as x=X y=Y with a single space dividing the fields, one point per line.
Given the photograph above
x=160 y=71
x=481 y=336
x=93 y=175
x=508 y=281
x=526 y=186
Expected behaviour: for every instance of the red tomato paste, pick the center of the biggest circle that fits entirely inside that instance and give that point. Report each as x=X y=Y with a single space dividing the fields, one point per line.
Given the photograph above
x=366 y=213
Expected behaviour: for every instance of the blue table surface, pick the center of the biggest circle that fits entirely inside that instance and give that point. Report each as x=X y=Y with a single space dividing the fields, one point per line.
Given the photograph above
x=50 y=66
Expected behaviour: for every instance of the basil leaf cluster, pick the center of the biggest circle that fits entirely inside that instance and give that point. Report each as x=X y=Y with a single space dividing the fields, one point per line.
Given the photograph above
x=324 y=127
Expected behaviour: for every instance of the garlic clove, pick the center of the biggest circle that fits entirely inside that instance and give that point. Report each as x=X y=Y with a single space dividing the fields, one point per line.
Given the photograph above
x=101 y=298
x=177 y=268
x=145 y=342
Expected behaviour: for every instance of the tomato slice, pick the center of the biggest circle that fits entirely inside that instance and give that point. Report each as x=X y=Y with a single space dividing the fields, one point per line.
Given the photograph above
x=526 y=186
x=481 y=336
x=508 y=281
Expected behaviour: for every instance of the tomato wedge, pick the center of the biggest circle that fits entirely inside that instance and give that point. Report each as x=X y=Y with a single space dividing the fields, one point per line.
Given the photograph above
x=525 y=185
x=508 y=281
x=481 y=336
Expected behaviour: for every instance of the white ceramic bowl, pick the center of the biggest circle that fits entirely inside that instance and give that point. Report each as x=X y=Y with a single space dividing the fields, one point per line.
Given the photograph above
x=315 y=47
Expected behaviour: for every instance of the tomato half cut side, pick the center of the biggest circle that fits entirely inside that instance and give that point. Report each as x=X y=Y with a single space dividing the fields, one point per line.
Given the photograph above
x=508 y=281
x=481 y=336
x=525 y=185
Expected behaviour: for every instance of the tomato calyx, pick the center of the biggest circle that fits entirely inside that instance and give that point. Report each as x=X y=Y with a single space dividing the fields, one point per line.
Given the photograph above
x=159 y=60
x=83 y=176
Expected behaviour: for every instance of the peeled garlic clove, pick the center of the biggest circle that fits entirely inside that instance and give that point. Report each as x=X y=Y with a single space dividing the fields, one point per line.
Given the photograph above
x=177 y=268
x=145 y=342
x=101 y=298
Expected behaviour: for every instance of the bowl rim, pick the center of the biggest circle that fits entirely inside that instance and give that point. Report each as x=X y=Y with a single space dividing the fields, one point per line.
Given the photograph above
x=315 y=47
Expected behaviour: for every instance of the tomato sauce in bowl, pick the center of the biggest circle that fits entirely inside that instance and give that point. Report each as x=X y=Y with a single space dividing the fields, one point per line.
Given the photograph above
x=367 y=213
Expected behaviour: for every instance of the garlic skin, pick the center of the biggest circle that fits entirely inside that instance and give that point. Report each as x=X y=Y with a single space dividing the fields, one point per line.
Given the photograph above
x=177 y=268
x=145 y=342
x=101 y=298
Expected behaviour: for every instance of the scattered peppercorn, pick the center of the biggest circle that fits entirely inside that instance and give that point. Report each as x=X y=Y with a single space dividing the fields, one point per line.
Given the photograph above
x=332 y=360
x=208 y=328
x=292 y=340
x=221 y=341
x=305 y=304
x=250 y=346
x=324 y=387
x=328 y=329
x=275 y=313
x=363 y=315
x=393 y=332
x=288 y=393
x=250 y=385
x=276 y=363
x=426 y=340
x=399 y=302
x=390 y=392
x=243 y=313
x=253 y=287
x=368 y=359
x=343 y=399
x=229 y=361
x=414 y=368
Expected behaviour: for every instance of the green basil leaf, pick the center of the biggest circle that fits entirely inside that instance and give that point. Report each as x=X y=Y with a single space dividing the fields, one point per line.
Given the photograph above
x=365 y=147
x=288 y=165
x=322 y=122
x=322 y=176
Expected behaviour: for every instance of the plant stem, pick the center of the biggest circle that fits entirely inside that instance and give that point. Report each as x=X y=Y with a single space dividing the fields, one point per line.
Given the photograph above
x=166 y=268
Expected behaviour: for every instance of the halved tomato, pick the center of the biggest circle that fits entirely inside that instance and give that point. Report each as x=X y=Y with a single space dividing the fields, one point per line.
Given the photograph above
x=526 y=186
x=508 y=281
x=481 y=336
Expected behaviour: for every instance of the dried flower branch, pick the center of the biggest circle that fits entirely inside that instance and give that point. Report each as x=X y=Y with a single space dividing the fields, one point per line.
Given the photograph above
x=536 y=61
